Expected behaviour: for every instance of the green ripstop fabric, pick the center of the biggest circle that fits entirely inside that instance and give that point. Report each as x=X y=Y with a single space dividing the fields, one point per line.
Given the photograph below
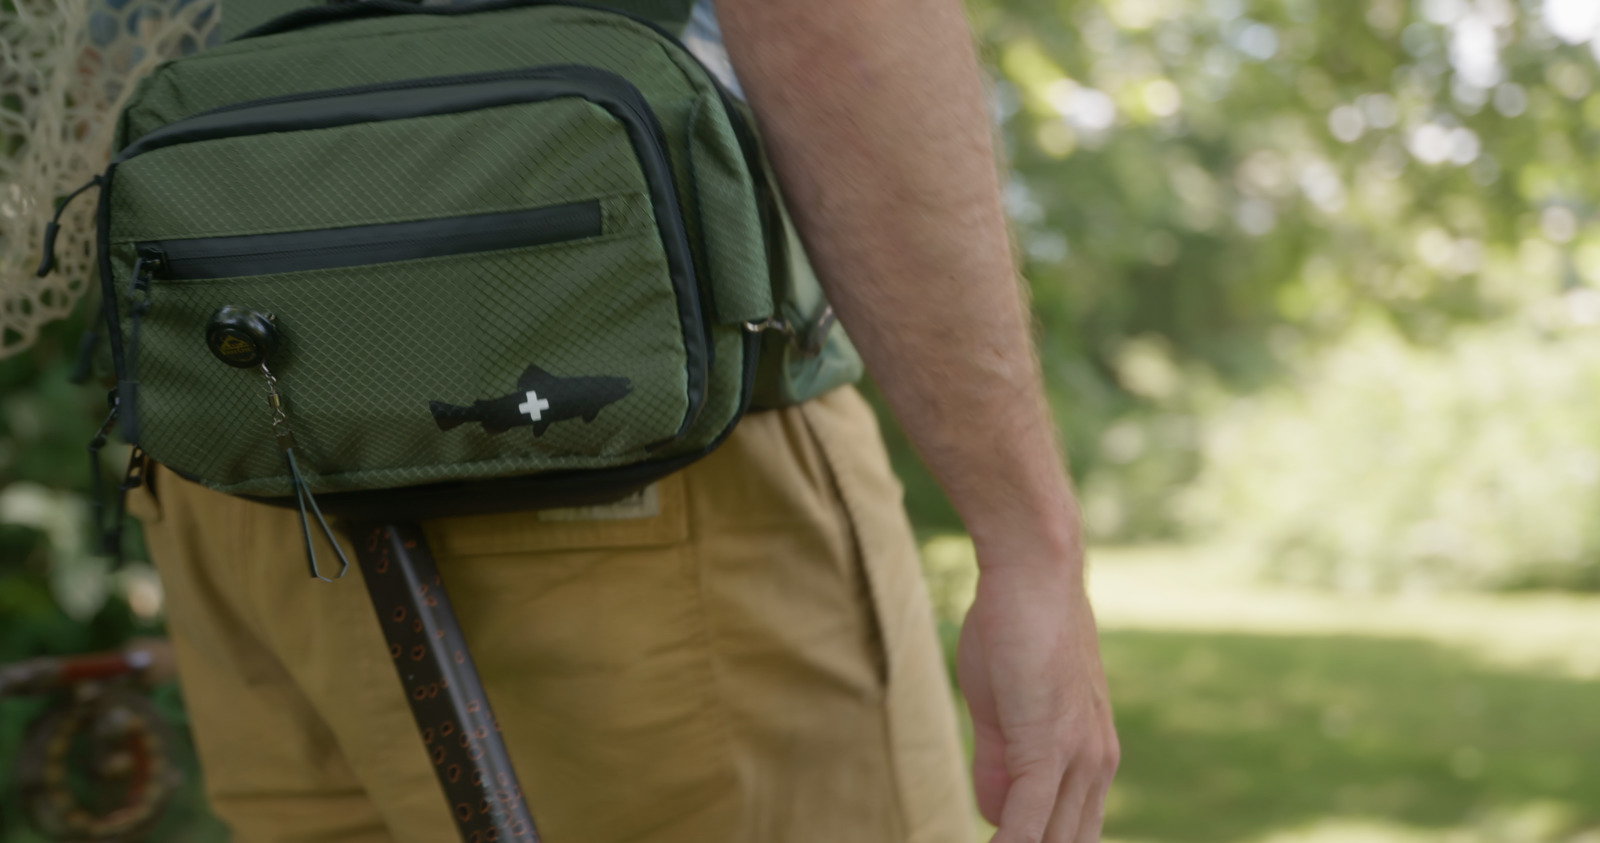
x=392 y=365
x=499 y=159
x=359 y=398
x=731 y=221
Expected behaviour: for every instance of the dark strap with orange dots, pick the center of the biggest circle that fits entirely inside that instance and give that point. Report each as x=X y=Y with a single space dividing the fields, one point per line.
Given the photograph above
x=452 y=712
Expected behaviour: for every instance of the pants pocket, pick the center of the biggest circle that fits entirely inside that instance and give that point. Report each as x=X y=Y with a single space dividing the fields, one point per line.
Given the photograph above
x=925 y=749
x=589 y=633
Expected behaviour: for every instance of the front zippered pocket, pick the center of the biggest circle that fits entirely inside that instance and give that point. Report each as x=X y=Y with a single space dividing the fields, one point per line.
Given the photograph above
x=212 y=258
x=430 y=291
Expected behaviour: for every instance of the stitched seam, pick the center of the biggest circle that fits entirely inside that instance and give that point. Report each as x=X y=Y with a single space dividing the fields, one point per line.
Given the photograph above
x=853 y=519
x=709 y=639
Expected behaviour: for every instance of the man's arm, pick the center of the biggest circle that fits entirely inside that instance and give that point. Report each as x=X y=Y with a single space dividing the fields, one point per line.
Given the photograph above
x=873 y=111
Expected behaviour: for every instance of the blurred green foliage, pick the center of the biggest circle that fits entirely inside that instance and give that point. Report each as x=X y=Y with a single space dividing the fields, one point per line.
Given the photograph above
x=1389 y=467
x=44 y=480
x=1211 y=196
x=57 y=595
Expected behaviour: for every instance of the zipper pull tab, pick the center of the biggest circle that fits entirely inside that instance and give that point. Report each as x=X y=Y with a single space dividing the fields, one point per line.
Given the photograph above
x=132 y=479
x=302 y=492
x=47 y=262
x=97 y=498
x=303 y=497
x=150 y=260
x=111 y=530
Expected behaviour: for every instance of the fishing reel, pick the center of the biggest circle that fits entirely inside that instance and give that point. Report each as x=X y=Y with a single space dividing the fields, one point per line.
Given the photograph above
x=96 y=766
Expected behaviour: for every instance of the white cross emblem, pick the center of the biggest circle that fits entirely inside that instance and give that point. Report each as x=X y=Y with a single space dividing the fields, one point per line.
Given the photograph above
x=534 y=406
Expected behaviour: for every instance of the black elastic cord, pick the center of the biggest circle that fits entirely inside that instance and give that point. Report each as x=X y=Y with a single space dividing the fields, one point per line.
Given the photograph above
x=132 y=479
x=128 y=386
x=97 y=485
x=47 y=261
x=306 y=500
x=128 y=380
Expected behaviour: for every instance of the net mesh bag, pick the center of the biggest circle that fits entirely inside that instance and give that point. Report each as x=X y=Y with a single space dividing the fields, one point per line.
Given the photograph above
x=66 y=68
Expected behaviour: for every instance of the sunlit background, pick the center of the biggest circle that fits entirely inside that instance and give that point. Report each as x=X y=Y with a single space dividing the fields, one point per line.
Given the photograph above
x=1317 y=289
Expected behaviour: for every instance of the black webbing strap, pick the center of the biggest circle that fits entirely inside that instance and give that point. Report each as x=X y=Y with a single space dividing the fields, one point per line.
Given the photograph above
x=672 y=15
x=242 y=16
x=441 y=683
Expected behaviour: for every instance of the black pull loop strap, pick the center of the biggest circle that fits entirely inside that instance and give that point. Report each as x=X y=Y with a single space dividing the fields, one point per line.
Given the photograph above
x=97 y=492
x=132 y=479
x=83 y=363
x=306 y=502
x=52 y=229
x=110 y=530
x=145 y=266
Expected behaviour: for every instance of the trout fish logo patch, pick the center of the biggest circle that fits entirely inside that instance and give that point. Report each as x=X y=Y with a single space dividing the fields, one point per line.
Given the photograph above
x=540 y=400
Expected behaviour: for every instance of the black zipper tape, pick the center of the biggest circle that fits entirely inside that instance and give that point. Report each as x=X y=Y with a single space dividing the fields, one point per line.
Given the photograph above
x=361 y=245
x=149 y=262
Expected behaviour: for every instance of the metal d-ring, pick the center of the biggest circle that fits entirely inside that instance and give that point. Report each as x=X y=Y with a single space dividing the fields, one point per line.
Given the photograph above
x=815 y=334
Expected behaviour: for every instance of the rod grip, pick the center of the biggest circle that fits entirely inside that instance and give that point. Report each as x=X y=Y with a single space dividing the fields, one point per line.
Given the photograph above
x=441 y=684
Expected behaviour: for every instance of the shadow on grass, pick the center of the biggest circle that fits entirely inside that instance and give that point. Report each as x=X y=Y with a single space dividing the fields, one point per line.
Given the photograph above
x=1228 y=737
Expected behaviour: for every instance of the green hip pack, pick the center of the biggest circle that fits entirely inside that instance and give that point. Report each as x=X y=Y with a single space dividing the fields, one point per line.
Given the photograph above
x=492 y=256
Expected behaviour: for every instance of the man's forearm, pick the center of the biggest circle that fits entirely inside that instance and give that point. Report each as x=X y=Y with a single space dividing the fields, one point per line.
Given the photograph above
x=874 y=116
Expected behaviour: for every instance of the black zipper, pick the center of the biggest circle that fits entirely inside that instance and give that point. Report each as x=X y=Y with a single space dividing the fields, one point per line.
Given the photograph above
x=361 y=245
x=149 y=261
x=442 y=95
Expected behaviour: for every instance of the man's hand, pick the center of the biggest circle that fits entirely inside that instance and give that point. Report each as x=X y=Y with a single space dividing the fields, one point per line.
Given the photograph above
x=1029 y=665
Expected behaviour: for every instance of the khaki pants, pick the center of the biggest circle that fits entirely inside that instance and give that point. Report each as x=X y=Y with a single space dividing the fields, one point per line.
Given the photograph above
x=744 y=655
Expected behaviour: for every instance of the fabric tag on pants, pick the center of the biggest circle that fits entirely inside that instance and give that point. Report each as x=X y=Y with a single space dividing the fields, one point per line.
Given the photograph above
x=645 y=503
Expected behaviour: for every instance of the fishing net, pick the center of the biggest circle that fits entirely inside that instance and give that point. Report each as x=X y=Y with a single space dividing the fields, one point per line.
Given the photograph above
x=66 y=67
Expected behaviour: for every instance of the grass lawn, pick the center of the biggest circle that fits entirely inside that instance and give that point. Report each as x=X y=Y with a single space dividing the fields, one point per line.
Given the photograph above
x=1275 y=716
x=1260 y=714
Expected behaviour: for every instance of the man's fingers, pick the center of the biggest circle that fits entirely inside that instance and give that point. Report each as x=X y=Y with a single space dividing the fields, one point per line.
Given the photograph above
x=1029 y=803
x=1094 y=815
x=989 y=777
x=1069 y=809
x=1099 y=769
